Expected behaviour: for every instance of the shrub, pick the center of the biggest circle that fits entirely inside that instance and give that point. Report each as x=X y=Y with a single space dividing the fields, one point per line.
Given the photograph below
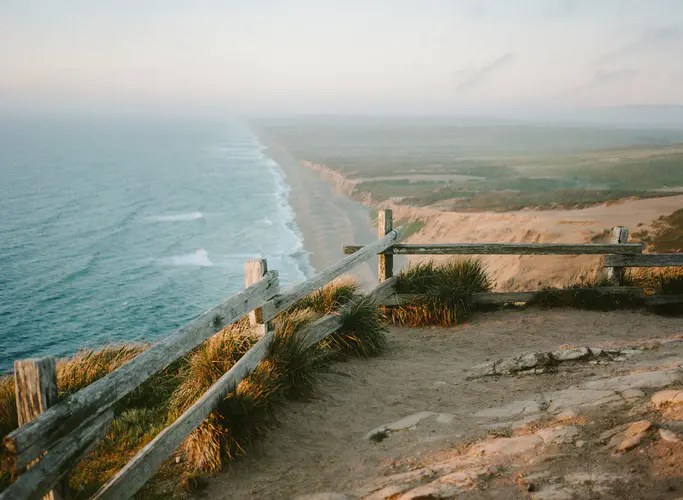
x=329 y=298
x=363 y=332
x=446 y=292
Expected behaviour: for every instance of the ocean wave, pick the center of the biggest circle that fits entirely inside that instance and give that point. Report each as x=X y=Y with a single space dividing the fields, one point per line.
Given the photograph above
x=181 y=217
x=199 y=258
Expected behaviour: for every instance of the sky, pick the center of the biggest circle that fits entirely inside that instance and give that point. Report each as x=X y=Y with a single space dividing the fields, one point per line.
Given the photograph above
x=321 y=56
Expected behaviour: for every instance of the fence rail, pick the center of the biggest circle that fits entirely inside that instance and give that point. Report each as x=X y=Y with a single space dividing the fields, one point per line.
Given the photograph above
x=69 y=428
x=509 y=249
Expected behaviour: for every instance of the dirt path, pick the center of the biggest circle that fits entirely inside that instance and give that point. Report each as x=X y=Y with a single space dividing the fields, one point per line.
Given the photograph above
x=321 y=444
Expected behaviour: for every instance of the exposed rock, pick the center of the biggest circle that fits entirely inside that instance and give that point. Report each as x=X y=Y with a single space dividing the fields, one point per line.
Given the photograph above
x=511 y=410
x=506 y=446
x=571 y=354
x=577 y=397
x=606 y=435
x=636 y=381
x=568 y=414
x=632 y=394
x=397 y=482
x=400 y=425
x=559 y=435
x=591 y=478
x=554 y=492
x=668 y=435
x=629 y=443
x=467 y=478
x=636 y=428
x=482 y=370
x=325 y=496
x=522 y=362
x=445 y=418
x=430 y=491
x=631 y=436
x=671 y=396
x=595 y=351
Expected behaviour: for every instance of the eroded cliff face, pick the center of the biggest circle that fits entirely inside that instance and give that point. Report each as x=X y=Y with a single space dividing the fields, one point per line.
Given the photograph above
x=523 y=272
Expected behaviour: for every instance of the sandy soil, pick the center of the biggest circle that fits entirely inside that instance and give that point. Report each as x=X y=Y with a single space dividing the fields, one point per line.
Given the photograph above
x=320 y=444
x=557 y=226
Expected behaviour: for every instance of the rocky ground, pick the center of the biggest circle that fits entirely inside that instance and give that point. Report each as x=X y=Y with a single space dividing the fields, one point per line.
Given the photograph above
x=521 y=404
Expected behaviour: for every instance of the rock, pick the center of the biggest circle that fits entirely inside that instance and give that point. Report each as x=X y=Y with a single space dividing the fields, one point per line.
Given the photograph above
x=467 y=478
x=482 y=370
x=506 y=446
x=513 y=409
x=324 y=496
x=636 y=381
x=402 y=481
x=591 y=478
x=571 y=354
x=445 y=418
x=400 y=425
x=611 y=432
x=668 y=435
x=637 y=428
x=629 y=443
x=595 y=351
x=577 y=397
x=671 y=396
x=568 y=414
x=632 y=394
x=522 y=362
x=554 y=492
x=559 y=435
x=580 y=443
x=431 y=491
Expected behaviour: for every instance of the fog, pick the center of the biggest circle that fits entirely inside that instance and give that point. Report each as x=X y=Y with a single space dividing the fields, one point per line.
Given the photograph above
x=512 y=57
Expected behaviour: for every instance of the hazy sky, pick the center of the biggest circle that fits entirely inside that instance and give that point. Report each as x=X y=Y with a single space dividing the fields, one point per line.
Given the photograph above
x=346 y=55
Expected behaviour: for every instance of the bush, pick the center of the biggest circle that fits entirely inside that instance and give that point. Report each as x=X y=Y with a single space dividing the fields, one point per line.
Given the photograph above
x=363 y=332
x=446 y=292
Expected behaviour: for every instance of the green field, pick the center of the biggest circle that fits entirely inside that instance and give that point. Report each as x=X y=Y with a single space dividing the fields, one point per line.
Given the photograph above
x=473 y=165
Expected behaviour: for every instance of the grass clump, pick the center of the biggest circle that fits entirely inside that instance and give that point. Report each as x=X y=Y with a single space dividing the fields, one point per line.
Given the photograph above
x=329 y=298
x=446 y=292
x=363 y=331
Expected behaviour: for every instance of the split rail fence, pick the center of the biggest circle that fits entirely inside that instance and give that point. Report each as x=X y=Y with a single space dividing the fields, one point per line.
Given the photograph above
x=54 y=435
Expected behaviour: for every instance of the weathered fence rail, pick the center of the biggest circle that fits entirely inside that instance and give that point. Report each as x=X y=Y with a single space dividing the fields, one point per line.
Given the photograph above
x=54 y=435
x=509 y=249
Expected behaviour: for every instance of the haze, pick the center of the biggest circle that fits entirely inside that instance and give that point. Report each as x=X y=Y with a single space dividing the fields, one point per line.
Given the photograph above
x=317 y=56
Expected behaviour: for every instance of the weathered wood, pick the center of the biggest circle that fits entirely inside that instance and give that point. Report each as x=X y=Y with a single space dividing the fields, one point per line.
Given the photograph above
x=508 y=249
x=57 y=463
x=616 y=274
x=29 y=441
x=385 y=268
x=254 y=270
x=35 y=386
x=512 y=297
x=285 y=299
x=136 y=472
x=663 y=300
x=645 y=260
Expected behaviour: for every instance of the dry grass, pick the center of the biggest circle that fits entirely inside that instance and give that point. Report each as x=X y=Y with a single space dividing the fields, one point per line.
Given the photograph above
x=446 y=292
x=291 y=370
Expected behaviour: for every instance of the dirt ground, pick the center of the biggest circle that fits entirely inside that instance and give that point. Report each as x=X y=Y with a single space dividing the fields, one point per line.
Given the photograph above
x=322 y=445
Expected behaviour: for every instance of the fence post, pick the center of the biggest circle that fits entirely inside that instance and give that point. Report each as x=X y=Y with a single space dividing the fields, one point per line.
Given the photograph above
x=254 y=270
x=35 y=385
x=386 y=262
x=616 y=274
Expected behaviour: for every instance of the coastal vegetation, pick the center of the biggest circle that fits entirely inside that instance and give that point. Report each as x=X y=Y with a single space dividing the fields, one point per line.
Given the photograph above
x=291 y=371
x=460 y=165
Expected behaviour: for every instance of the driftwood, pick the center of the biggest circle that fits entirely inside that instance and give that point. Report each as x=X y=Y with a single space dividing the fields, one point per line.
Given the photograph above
x=509 y=249
x=285 y=299
x=29 y=441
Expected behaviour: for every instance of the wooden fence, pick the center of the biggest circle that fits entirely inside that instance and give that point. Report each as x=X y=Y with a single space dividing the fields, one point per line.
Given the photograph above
x=54 y=435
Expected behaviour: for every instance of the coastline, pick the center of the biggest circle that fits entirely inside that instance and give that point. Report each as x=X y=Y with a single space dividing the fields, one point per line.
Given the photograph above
x=326 y=218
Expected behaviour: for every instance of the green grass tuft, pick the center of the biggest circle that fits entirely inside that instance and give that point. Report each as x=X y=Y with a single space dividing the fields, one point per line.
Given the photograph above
x=329 y=298
x=363 y=331
x=446 y=292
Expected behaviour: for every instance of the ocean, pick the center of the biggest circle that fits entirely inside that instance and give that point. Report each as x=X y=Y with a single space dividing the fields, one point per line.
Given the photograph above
x=118 y=230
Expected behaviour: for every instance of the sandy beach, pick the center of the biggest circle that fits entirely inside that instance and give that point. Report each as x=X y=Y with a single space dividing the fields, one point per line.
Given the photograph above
x=328 y=220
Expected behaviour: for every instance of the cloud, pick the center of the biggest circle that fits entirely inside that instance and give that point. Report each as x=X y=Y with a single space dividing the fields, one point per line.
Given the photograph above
x=602 y=76
x=656 y=39
x=480 y=76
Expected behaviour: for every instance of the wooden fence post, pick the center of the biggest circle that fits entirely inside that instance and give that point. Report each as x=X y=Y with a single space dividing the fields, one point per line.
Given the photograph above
x=254 y=270
x=386 y=262
x=35 y=385
x=616 y=274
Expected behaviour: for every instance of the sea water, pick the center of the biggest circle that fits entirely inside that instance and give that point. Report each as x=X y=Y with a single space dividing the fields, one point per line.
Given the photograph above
x=118 y=230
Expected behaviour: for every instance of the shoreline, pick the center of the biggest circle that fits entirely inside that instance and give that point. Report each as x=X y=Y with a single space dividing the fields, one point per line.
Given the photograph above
x=326 y=219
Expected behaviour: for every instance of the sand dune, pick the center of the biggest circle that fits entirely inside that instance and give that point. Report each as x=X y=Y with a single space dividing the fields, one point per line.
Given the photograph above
x=560 y=226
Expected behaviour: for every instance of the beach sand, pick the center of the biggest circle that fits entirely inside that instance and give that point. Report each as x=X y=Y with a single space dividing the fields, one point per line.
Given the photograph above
x=328 y=220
